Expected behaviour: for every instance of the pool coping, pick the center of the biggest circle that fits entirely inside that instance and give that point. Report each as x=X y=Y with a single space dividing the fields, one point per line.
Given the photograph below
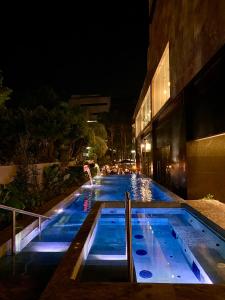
x=63 y=285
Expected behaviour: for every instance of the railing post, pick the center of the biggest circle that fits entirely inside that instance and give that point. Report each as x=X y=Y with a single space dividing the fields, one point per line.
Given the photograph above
x=14 y=211
x=129 y=238
x=39 y=224
x=13 y=246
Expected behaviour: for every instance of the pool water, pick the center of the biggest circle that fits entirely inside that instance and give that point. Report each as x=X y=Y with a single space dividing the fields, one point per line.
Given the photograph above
x=113 y=188
x=61 y=230
x=41 y=256
x=169 y=246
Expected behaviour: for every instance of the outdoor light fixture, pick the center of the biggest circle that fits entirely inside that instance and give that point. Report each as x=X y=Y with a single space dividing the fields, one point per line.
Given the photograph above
x=132 y=151
x=92 y=121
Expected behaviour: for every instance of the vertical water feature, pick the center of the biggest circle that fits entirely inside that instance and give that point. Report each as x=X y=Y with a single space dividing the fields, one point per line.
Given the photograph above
x=87 y=169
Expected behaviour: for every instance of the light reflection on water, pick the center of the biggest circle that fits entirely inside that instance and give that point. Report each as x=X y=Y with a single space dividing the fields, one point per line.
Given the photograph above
x=113 y=188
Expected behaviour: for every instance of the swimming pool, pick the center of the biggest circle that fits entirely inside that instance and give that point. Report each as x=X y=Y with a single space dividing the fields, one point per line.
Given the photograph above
x=61 y=230
x=169 y=246
x=41 y=256
x=113 y=188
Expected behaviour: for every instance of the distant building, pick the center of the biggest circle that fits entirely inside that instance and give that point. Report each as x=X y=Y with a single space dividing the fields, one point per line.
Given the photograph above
x=179 y=120
x=94 y=104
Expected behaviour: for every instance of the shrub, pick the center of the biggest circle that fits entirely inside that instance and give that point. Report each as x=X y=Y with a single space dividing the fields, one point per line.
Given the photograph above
x=208 y=197
x=53 y=180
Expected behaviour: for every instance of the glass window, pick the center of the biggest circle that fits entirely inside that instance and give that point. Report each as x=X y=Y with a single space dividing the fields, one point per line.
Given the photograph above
x=161 y=82
x=144 y=114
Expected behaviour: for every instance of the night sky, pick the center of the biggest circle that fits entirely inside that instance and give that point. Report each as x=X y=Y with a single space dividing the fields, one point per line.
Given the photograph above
x=84 y=49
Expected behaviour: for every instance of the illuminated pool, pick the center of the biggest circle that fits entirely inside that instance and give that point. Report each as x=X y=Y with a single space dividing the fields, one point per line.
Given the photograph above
x=41 y=256
x=169 y=246
x=113 y=188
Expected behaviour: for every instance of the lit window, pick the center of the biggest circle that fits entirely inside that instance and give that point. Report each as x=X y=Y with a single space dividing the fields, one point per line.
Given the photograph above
x=144 y=114
x=161 y=82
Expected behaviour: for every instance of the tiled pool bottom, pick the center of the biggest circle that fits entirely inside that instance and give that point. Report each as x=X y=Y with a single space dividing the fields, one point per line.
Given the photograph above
x=169 y=246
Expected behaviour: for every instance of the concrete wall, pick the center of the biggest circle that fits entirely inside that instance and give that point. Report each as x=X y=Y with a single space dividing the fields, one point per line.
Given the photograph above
x=8 y=172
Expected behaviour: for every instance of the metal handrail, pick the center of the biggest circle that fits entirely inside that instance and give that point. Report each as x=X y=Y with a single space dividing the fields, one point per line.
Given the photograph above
x=24 y=212
x=21 y=211
x=129 y=237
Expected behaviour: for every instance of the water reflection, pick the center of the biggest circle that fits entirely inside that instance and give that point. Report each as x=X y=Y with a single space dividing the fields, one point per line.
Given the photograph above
x=113 y=188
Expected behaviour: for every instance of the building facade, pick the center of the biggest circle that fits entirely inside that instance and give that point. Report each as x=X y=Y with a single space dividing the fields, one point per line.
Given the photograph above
x=179 y=120
x=93 y=104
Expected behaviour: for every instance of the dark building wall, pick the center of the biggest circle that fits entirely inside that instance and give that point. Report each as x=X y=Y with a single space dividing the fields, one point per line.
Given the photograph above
x=195 y=30
x=205 y=100
x=205 y=111
x=169 y=148
x=189 y=136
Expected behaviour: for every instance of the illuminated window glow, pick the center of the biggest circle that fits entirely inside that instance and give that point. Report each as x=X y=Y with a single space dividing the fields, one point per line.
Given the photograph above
x=161 y=82
x=144 y=114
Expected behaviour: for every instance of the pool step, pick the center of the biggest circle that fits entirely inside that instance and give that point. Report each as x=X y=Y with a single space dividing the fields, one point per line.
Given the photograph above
x=47 y=247
x=104 y=271
x=212 y=262
x=203 y=248
x=105 y=257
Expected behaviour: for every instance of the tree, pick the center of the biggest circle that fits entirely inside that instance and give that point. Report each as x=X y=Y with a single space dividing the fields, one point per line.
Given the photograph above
x=4 y=91
x=98 y=149
x=119 y=134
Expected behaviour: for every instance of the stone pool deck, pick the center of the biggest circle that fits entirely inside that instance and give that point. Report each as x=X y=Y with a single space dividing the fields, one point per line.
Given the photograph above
x=63 y=285
x=126 y=291
x=212 y=210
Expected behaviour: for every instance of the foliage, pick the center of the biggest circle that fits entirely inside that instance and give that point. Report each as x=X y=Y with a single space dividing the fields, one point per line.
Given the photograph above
x=119 y=134
x=48 y=135
x=7 y=196
x=50 y=128
x=98 y=149
x=4 y=91
x=98 y=146
x=99 y=130
x=209 y=197
x=41 y=128
x=76 y=175
x=53 y=180
x=23 y=192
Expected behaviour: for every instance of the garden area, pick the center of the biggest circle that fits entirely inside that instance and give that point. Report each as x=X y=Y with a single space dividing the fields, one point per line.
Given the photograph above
x=44 y=140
